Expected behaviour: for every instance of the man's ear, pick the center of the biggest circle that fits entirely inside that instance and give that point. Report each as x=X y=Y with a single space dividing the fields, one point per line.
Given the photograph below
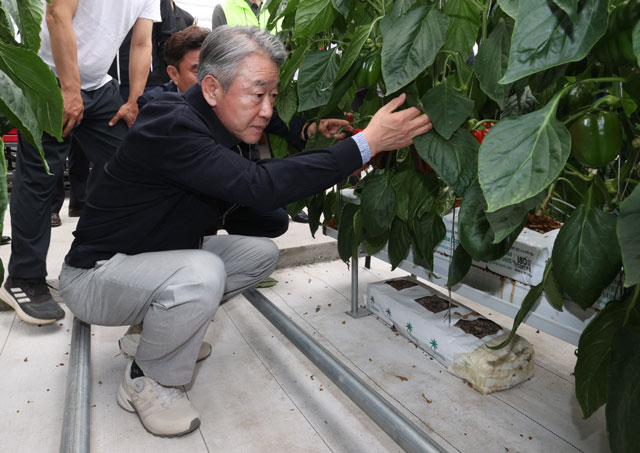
x=211 y=90
x=173 y=72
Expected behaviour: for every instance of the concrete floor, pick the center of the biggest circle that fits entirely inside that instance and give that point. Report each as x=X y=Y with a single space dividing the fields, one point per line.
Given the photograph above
x=258 y=393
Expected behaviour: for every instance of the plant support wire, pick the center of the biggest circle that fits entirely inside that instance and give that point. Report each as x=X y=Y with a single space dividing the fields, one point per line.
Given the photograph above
x=406 y=434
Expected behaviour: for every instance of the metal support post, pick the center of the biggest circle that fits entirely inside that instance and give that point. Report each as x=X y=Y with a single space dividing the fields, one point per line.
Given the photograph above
x=406 y=434
x=75 y=424
x=355 y=311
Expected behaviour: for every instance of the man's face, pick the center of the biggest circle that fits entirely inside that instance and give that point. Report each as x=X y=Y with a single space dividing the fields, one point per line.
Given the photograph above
x=246 y=108
x=186 y=74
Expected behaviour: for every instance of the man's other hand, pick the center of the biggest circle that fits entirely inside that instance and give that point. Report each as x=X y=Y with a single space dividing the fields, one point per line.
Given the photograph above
x=73 y=110
x=390 y=129
x=127 y=112
x=331 y=128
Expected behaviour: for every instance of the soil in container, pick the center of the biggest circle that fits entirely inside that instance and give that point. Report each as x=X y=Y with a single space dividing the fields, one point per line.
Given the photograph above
x=434 y=304
x=399 y=285
x=542 y=224
x=478 y=328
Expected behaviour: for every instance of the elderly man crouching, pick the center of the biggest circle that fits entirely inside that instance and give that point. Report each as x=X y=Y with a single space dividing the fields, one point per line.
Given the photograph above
x=138 y=254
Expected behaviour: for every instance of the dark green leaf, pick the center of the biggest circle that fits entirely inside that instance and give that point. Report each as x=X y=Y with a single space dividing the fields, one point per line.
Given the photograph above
x=360 y=35
x=281 y=147
x=446 y=108
x=594 y=357
x=296 y=207
x=459 y=267
x=507 y=219
x=586 y=254
x=27 y=15
x=405 y=55
x=317 y=73
x=491 y=62
x=520 y=105
x=543 y=39
x=623 y=396
x=19 y=113
x=553 y=291
x=464 y=22
x=445 y=201
x=401 y=184
x=342 y=6
x=313 y=16
x=476 y=234
x=287 y=103
x=346 y=236
x=315 y=210
x=510 y=7
x=400 y=7
x=429 y=231
x=38 y=84
x=521 y=156
x=328 y=209
x=422 y=196
x=570 y=7
x=292 y=64
x=399 y=242
x=628 y=228
x=378 y=201
x=455 y=160
x=6 y=28
x=373 y=244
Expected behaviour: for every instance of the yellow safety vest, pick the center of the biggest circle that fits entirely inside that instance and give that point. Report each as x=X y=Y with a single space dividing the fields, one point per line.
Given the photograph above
x=238 y=12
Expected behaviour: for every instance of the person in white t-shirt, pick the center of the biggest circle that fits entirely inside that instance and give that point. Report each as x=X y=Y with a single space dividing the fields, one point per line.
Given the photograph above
x=80 y=38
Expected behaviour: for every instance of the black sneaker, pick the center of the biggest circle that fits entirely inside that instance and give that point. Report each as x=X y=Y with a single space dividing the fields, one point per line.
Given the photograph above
x=31 y=299
x=301 y=217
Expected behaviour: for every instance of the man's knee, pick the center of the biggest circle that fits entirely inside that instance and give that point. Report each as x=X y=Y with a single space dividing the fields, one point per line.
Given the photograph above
x=200 y=279
x=267 y=252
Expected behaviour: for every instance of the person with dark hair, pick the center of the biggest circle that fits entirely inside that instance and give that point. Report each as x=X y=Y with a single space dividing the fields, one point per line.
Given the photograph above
x=79 y=40
x=141 y=253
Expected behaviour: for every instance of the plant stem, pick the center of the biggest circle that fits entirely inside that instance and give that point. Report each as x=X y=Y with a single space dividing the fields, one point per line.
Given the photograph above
x=543 y=205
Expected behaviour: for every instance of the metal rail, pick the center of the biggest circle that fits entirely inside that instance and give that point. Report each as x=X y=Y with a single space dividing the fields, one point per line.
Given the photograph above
x=406 y=434
x=75 y=424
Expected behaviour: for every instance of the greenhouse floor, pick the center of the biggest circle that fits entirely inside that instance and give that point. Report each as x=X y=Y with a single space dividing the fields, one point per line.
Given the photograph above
x=258 y=393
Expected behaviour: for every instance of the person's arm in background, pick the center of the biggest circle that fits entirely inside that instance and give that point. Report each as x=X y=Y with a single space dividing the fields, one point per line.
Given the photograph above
x=139 y=64
x=218 y=18
x=165 y=28
x=59 y=17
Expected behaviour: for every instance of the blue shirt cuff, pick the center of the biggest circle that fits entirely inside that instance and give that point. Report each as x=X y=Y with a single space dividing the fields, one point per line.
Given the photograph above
x=363 y=146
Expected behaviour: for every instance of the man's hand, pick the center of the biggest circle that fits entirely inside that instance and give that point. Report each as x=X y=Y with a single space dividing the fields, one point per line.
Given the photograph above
x=73 y=110
x=389 y=129
x=331 y=128
x=127 y=112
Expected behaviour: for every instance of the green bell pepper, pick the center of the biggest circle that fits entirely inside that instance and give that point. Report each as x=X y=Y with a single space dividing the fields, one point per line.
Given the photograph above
x=596 y=138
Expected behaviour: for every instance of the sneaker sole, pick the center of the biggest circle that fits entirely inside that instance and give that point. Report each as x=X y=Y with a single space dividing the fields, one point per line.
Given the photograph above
x=8 y=299
x=125 y=403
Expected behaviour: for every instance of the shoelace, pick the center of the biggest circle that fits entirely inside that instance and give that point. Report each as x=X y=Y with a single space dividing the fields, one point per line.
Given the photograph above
x=166 y=395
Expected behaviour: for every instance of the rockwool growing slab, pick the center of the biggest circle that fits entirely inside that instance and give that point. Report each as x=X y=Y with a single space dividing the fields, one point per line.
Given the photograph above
x=460 y=344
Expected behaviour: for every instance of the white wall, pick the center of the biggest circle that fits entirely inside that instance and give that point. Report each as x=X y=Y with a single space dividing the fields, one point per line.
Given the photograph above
x=202 y=9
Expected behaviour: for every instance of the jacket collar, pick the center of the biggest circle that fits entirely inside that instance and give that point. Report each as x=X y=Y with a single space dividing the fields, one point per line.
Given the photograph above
x=195 y=98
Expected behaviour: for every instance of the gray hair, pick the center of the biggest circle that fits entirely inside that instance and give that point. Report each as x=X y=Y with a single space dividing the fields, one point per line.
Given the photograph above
x=227 y=45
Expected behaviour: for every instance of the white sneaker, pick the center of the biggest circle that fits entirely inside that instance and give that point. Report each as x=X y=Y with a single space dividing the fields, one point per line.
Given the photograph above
x=163 y=411
x=131 y=339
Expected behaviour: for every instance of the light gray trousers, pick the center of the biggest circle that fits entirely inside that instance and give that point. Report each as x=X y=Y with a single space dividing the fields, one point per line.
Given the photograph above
x=173 y=293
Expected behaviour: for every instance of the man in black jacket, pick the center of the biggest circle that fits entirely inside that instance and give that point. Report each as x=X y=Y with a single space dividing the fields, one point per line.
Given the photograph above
x=139 y=253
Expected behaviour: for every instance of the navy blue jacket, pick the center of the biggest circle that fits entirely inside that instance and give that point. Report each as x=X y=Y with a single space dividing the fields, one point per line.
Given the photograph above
x=176 y=173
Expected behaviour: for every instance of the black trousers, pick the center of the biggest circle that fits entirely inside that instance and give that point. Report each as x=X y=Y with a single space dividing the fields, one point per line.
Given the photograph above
x=33 y=189
x=79 y=167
